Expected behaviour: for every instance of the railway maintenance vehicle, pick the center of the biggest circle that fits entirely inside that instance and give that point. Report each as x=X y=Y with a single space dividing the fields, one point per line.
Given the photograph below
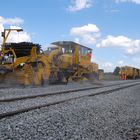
x=26 y=64
x=128 y=72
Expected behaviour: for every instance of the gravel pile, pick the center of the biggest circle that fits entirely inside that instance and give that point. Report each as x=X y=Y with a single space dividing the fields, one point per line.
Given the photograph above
x=114 y=116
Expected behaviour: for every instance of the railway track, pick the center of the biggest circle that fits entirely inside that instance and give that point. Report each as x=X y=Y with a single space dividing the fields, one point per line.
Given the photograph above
x=24 y=97
x=13 y=106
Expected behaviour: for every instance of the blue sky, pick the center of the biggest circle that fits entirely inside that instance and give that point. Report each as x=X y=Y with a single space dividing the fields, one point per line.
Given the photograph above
x=109 y=27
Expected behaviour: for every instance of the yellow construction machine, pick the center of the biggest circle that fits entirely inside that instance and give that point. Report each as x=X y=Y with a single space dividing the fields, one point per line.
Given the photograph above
x=22 y=63
x=128 y=72
x=73 y=62
x=26 y=64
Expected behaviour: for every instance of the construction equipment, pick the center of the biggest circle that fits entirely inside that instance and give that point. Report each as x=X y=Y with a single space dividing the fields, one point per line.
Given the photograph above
x=128 y=72
x=26 y=64
x=73 y=62
x=22 y=63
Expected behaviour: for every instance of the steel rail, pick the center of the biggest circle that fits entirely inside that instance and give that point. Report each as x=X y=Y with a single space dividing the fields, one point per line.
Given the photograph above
x=57 y=93
x=19 y=111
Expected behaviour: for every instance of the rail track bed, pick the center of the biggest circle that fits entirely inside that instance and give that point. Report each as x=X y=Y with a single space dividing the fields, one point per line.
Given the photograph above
x=17 y=105
x=108 y=111
x=6 y=93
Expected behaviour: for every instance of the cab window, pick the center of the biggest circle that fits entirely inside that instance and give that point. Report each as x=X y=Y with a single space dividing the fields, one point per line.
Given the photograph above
x=68 y=49
x=83 y=50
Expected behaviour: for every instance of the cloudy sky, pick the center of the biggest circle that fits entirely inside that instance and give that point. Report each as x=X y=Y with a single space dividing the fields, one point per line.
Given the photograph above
x=110 y=27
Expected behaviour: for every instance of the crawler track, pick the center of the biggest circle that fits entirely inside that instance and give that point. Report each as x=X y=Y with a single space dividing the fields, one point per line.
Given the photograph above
x=78 y=94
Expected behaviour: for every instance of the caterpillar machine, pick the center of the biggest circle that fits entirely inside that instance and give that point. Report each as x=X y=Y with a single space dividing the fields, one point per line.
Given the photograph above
x=26 y=64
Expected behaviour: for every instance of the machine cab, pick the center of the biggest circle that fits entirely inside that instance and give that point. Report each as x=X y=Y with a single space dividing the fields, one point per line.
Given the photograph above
x=85 y=53
x=78 y=53
x=67 y=56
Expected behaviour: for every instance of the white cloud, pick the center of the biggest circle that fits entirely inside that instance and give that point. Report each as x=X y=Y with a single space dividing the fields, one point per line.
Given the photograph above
x=86 y=34
x=11 y=21
x=136 y=62
x=137 y=59
x=134 y=1
x=120 y=63
x=77 y=40
x=18 y=36
x=130 y=46
x=114 y=11
x=1 y=28
x=110 y=66
x=107 y=66
x=15 y=27
x=14 y=36
x=78 y=5
x=130 y=61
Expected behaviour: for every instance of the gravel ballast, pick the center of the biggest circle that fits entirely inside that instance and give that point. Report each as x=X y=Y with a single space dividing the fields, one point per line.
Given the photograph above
x=18 y=92
x=6 y=107
x=114 y=116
